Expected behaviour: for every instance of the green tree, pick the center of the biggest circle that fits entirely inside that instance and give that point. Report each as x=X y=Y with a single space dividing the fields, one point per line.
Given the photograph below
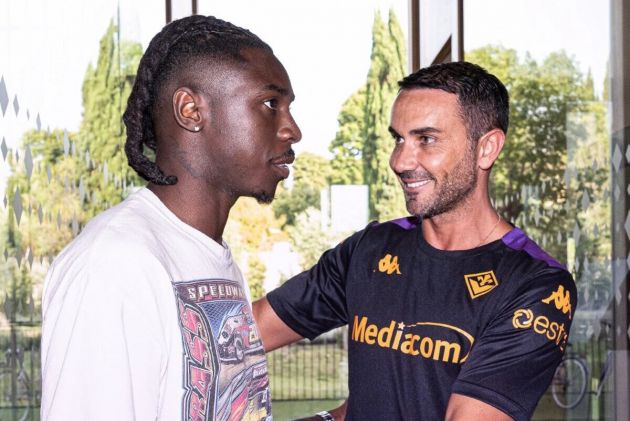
x=363 y=134
x=388 y=66
x=101 y=139
x=308 y=238
x=256 y=277
x=48 y=194
x=311 y=173
x=252 y=228
x=552 y=178
x=59 y=180
x=347 y=146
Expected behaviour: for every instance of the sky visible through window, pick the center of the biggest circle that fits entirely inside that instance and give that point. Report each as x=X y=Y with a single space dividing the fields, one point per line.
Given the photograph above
x=45 y=48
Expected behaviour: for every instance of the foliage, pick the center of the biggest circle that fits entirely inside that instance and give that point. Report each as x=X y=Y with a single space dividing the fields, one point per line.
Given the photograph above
x=308 y=238
x=53 y=201
x=311 y=173
x=553 y=178
x=72 y=181
x=256 y=277
x=347 y=146
x=364 y=120
x=388 y=66
x=106 y=87
x=251 y=228
x=63 y=179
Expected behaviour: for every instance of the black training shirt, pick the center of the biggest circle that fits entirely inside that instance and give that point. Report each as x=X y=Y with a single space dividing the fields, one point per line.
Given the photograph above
x=490 y=323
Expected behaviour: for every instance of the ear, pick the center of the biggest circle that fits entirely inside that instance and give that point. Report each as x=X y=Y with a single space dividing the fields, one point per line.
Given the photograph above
x=188 y=109
x=489 y=147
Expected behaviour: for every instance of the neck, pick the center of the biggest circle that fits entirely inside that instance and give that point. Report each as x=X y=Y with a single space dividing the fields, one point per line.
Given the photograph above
x=472 y=224
x=196 y=206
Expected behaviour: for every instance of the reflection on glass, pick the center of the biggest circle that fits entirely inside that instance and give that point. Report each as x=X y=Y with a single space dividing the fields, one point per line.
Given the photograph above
x=54 y=177
x=554 y=178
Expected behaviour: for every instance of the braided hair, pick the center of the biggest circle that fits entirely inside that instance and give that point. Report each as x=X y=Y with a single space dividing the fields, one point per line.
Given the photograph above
x=179 y=43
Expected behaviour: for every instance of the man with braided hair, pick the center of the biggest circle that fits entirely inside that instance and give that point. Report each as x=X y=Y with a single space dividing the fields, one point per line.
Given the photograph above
x=146 y=315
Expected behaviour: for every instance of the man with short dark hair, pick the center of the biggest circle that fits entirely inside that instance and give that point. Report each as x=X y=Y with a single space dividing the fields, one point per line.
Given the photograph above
x=146 y=314
x=453 y=313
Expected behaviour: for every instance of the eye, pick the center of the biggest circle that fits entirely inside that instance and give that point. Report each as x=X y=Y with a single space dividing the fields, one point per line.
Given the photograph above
x=271 y=103
x=427 y=140
x=397 y=139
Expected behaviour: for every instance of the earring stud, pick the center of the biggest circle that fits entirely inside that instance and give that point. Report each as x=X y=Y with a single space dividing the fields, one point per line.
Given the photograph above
x=196 y=128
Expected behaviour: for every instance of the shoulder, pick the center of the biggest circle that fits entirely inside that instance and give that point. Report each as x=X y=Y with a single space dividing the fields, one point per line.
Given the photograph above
x=110 y=248
x=533 y=274
x=400 y=225
x=376 y=234
x=128 y=228
x=517 y=241
x=526 y=260
x=395 y=228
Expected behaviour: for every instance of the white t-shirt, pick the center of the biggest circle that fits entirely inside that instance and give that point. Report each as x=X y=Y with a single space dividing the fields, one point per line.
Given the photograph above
x=147 y=318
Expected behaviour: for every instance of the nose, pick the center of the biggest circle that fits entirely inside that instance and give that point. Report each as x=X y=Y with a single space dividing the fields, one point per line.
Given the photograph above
x=289 y=130
x=403 y=158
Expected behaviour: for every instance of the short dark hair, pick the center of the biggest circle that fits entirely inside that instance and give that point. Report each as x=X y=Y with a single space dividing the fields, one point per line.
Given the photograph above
x=483 y=99
x=176 y=46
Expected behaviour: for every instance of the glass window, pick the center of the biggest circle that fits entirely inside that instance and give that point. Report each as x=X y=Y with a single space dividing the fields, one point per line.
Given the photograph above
x=65 y=73
x=66 y=69
x=554 y=179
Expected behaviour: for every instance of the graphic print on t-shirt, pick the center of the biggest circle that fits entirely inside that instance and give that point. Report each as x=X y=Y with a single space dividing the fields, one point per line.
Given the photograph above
x=225 y=372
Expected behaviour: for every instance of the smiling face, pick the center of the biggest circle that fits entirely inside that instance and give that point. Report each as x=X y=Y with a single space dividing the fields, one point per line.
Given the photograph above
x=433 y=158
x=247 y=143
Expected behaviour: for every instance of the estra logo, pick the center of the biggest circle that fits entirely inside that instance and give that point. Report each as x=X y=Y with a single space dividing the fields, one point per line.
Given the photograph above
x=553 y=331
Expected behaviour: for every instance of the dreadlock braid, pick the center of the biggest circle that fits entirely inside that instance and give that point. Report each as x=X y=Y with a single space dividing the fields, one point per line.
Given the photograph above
x=179 y=43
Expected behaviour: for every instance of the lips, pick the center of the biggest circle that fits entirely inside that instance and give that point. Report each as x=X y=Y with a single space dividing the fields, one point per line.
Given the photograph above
x=282 y=162
x=410 y=185
x=412 y=180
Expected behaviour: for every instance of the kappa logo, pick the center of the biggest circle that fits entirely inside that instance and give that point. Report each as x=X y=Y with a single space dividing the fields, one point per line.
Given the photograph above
x=389 y=264
x=480 y=283
x=561 y=299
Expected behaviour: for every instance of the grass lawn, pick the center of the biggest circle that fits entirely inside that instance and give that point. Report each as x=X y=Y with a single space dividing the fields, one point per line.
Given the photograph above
x=7 y=414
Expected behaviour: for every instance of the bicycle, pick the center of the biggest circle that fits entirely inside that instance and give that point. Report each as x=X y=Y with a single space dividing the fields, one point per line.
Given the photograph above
x=570 y=380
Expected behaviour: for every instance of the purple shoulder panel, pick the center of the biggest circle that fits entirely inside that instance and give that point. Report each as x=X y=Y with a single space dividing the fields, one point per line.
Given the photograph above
x=406 y=223
x=518 y=240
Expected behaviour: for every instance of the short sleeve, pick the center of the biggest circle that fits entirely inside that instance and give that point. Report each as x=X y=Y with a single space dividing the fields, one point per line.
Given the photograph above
x=513 y=360
x=314 y=301
x=103 y=345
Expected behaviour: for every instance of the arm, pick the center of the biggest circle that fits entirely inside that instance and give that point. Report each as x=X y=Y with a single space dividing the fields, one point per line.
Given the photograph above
x=463 y=408
x=309 y=304
x=339 y=413
x=99 y=323
x=512 y=362
x=273 y=331
x=276 y=334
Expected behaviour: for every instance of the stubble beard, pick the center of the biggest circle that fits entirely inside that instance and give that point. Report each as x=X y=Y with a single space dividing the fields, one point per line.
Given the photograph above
x=450 y=192
x=263 y=197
